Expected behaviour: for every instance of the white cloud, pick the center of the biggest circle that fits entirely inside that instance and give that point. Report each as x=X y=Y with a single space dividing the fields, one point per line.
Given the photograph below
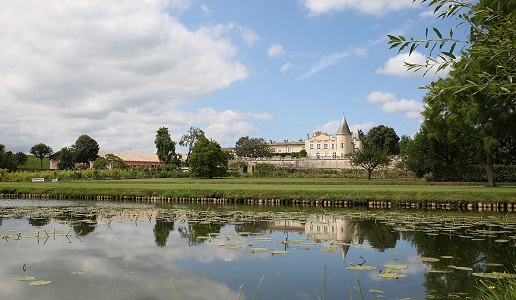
x=333 y=126
x=396 y=66
x=115 y=70
x=390 y=104
x=284 y=68
x=205 y=9
x=275 y=50
x=249 y=36
x=332 y=59
x=376 y=7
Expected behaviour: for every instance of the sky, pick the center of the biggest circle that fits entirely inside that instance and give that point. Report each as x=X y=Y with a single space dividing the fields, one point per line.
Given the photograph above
x=119 y=70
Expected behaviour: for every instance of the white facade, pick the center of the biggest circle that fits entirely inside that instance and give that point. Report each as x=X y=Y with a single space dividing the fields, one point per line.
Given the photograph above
x=322 y=145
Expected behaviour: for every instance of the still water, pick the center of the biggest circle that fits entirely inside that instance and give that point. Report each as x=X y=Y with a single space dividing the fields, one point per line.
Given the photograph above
x=93 y=250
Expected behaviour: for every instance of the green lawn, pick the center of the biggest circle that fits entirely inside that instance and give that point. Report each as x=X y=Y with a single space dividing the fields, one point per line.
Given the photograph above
x=281 y=188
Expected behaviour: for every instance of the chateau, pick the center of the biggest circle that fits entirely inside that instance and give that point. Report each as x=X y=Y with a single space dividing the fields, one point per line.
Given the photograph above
x=322 y=145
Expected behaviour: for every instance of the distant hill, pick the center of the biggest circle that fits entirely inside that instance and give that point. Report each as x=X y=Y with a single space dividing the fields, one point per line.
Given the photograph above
x=33 y=164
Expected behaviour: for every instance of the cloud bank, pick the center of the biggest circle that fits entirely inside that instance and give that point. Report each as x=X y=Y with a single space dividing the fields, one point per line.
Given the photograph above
x=115 y=70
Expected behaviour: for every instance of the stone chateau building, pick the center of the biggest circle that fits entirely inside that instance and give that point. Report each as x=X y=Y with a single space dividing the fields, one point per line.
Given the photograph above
x=322 y=145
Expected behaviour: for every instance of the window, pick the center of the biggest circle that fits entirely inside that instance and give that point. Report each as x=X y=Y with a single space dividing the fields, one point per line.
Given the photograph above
x=311 y=145
x=289 y=149
x=318 y=146
x=332 y=146
x=341 y=145
x=325 y=146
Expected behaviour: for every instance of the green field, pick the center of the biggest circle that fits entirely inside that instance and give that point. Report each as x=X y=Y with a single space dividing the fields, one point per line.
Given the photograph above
x=33 y=163
x=311 y=189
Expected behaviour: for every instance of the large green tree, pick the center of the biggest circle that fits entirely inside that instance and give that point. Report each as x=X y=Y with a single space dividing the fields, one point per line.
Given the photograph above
x=86 y=149
x=208 y=160
x=190 y=138
x=65 y=158
x=109 y=161
x=383 y=137
x=477 y=99
x=370 y=158
x=165 y=147
x=41 y=151
x=252 y=147
x=8 y=160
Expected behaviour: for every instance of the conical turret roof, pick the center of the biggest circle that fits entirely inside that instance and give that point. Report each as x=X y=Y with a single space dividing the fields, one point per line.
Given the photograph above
x=344 y=128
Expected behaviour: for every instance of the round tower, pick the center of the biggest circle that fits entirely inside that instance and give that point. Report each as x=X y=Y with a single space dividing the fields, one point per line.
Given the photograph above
x=344 y=146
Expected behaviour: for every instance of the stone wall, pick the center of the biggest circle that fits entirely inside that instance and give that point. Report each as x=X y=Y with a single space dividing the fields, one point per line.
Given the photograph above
x=300 y=163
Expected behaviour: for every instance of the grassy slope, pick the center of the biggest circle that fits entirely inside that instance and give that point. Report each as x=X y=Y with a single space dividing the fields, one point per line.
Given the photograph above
x=281 y=188
x=33 y=163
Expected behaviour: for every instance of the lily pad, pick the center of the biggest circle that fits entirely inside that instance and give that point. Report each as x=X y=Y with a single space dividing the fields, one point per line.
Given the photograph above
x=428 y=259
x=495 y=275
x=252 y=250
x=279 y=252
x=40 y=282
x=439 y=271
x=461 y=268
x=395 y=266
x=361 y=268
x=392 y=275
x=79 y=273
x=25 y=278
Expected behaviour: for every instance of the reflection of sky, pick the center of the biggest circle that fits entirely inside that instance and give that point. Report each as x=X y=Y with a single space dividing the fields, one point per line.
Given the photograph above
x=122 y=261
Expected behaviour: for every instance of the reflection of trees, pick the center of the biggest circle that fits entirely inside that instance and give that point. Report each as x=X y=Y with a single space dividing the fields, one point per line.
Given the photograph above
x=380 y=236
x=162 y=230
x=38 y=221
x=464 y=253
x=190 y=231
x=83 y=223
x=254 y=227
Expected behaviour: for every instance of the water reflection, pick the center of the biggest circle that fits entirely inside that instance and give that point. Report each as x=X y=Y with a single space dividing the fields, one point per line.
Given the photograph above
x=131 y=252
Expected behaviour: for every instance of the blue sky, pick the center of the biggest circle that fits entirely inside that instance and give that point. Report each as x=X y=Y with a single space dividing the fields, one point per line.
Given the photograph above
x=119 y=70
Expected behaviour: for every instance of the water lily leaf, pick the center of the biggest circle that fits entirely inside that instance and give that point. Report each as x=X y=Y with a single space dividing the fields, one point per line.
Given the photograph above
x=495 y=275
x=395 y=266
x=279 y=252
x=231 y=246
x=40 y=282
x=25 y=278
x=439 y=271
x=428 y=259
x=494 y=265
x=79 y=273
x=264 y=239
x=252 y=250
x=361 y=268
x=461 y=268
x=392 y=275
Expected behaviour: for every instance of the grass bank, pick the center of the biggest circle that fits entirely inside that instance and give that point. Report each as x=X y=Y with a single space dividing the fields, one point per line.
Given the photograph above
x=308 y=189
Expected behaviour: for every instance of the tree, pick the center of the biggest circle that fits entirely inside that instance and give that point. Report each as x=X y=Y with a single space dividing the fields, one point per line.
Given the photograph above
x=109 y=161
x=41 y=151
x=86 y=149
x=383 y=137
x=8 y=160
x=252 y=147
x=492 y=29
x=370 y=158
x=208 y=160
x=190 y=139
x=165 y=147
x=66 y=158
x=22 y=158
x=477 y=100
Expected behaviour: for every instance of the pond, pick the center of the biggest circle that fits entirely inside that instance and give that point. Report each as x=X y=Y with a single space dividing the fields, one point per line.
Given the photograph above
x=57 y=249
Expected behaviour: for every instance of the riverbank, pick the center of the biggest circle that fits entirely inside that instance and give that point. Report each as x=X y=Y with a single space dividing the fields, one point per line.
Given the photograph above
x=276 y=191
